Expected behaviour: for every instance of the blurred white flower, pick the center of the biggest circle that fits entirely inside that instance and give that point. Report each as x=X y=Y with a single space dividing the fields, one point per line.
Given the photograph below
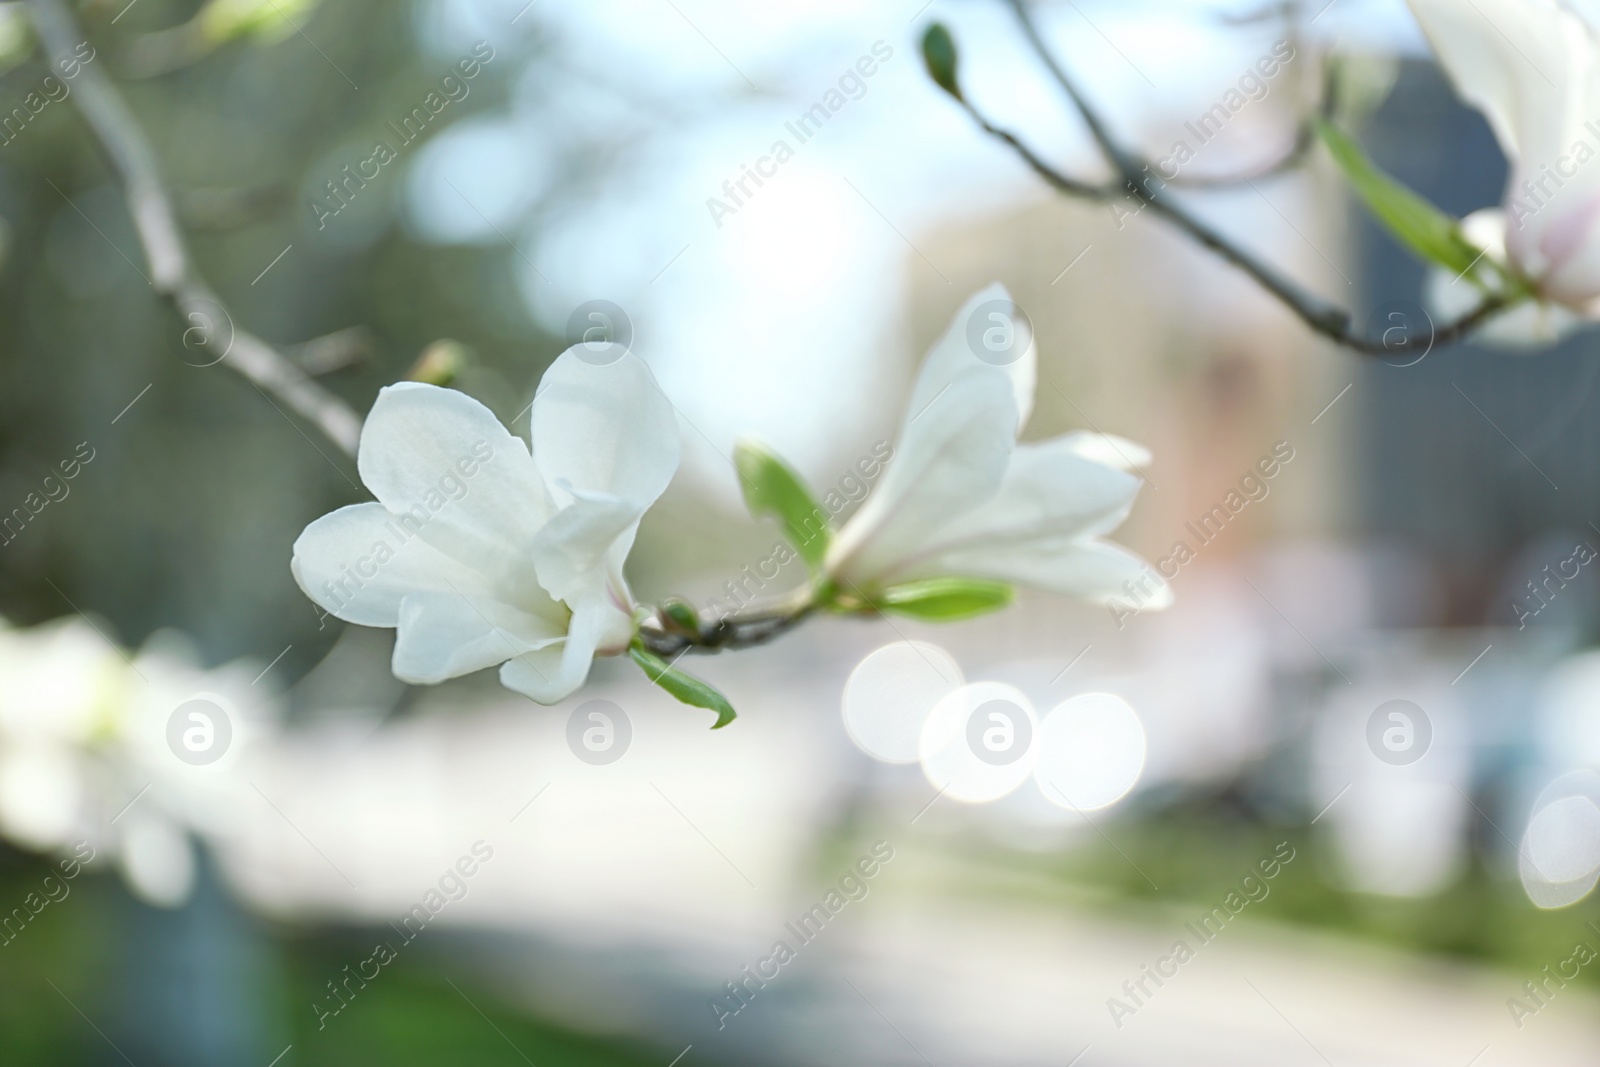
x=481 y=553
x=86 y=750
x=1391 y=776
x=964 y=499
x=1533 y=68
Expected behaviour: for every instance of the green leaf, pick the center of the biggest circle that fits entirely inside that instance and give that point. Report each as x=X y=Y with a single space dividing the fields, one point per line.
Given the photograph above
x=679 y=616
x=939 y=55
x=268 y=21
x=771 y=487
x=441 y=363
x=685 y=687
x=1413 y=221
x=944 y=599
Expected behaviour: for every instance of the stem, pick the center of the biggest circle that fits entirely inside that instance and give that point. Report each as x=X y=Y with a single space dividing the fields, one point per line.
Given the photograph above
x=172 y=274
x=715 y=631
x=1323 y=316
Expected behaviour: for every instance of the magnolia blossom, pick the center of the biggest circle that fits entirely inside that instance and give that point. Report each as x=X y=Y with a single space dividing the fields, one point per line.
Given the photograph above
x=965 y=499
x=481 y=553
x=1524 y=325
x=1533 y=68
x=87 y=762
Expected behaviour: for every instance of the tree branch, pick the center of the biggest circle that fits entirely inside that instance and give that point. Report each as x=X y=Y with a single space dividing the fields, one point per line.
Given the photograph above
x=172 y=274
x=1305 y=139
x=1138 y=182
x=669 y=635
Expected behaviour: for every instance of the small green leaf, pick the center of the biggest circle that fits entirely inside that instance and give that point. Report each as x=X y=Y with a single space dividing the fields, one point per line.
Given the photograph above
x=939 y=55
x=268 y=21
x=685 y=687
x=1413 y=221
x=944 y=599
x=441 y=363
x=679 y=616
x=771 y=487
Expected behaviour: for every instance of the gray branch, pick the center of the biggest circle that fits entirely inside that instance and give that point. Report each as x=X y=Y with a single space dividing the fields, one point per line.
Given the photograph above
x=172 y=273
x=714 y=631
x=1136 y=181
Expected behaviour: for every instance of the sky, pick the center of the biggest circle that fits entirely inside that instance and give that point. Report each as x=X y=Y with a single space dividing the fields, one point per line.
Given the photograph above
x=785 y=312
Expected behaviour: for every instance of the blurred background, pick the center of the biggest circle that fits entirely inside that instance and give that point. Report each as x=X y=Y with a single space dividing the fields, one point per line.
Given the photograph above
x=379 y=873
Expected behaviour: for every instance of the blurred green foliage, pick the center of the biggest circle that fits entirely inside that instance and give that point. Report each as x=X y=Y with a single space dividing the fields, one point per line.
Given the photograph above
x=1189 y=857
x=186 y=516
x=66 y=961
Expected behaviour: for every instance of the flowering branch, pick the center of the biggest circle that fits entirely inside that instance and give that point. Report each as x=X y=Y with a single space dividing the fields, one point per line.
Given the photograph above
x=677 y=628
x=1135 y=180
x=172 y=273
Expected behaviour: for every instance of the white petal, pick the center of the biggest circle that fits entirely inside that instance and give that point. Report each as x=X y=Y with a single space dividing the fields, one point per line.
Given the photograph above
x=337 y=564
x=1486 y=229
x=949 y=460
x=41 y=790
x=1566 y=260
x=552 y=674
x=604 y=428
x=580 y=550
x=1525 y=328
x=1049 y=493
x=1533 y=68
x=1528 y=328
x=1109 y=449
x=157 y=860
x=60 y=680
x=1506 y=58
x=989 y=312
x=445 y=635
x=444 y=461
x=1088 y=570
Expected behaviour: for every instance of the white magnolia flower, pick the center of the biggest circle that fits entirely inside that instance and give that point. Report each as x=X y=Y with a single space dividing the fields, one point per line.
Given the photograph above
x=1533 y=68
x=964 y=499
x=481 y=553
x=88 y=763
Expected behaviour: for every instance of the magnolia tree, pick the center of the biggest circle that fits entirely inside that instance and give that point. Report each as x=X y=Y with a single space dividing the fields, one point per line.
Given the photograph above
x=483 y=549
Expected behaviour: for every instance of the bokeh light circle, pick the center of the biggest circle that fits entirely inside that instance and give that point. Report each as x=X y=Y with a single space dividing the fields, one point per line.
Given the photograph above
x=1559 y=857
x=947 y=755
x=890 y=694
x=1091 y=752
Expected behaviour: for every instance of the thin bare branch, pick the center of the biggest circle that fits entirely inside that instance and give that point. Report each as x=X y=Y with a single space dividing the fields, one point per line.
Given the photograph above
x=716 y=631
x=172 y=273
x=1305 y=139
x=1139 y=182
x=1065 y=183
